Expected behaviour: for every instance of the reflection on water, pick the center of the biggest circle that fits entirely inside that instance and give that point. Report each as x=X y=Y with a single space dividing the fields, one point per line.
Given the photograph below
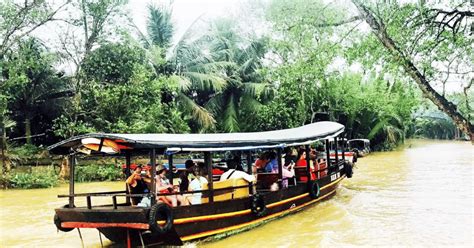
x=418 y=196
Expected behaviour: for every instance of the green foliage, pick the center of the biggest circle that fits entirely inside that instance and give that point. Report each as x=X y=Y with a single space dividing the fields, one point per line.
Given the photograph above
x=112 y=63
x=122 y=95
x=27 y=150
x=32 y=88
x=95 y=172
x=36 y=178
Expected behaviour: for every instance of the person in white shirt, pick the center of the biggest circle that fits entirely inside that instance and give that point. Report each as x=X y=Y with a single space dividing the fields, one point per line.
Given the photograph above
x=195 y=185
x=233 y=172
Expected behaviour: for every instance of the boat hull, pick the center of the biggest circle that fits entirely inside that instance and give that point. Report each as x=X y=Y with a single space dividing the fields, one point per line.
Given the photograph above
x=198 y=221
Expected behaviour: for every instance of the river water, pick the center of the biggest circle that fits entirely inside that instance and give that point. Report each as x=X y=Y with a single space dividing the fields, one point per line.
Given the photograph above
x=418 y=196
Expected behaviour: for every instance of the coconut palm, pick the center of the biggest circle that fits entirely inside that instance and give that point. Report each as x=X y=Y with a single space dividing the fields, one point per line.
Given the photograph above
x=185 y=63
x=239 y=97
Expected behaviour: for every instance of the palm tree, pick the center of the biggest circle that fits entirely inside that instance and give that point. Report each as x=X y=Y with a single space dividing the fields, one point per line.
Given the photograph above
x=186 y=64
x=244 y=84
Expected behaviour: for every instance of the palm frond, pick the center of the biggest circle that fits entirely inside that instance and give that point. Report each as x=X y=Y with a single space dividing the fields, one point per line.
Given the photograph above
x=230 y=122
x=256 y=89
x=199 y=114
x=205 y=81
x=215 y=105
x=376 y=129
x=183 y=83
x=159 y=26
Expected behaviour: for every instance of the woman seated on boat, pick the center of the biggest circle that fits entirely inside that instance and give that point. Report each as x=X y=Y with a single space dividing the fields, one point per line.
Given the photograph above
x=287 y=171
x=164 y=186
x=302 y=163
x=196 y=185
x=137 y=183
x=262 y=161
x=291 y=155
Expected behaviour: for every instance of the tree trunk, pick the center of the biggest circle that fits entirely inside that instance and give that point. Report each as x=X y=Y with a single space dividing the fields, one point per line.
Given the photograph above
x=444 y=105
x=6 y=165
x=65 y=167
x=28 y=129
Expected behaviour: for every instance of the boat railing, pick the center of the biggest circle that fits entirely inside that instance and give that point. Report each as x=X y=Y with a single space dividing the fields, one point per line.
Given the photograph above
x=115 y=194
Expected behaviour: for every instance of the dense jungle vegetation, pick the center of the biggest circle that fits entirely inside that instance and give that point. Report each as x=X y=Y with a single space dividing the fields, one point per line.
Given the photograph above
x=381 y=68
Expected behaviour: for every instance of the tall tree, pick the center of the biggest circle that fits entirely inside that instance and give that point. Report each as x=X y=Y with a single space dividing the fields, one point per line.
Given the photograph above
x=434 y=26
x=185 y=62
x=32 y=85
x=245 y=85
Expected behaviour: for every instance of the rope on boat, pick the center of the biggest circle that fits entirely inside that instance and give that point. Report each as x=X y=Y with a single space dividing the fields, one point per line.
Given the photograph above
x=80 y=236
x=100 y=237
x=141 y=239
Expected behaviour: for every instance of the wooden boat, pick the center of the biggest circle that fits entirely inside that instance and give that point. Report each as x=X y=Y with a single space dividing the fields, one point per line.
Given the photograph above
x=227 y=205
x=339 y=148
x=360 y=146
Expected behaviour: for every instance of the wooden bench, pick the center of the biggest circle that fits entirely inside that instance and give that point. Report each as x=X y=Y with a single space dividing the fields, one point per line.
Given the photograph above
x=265 y=180
x=227 y=194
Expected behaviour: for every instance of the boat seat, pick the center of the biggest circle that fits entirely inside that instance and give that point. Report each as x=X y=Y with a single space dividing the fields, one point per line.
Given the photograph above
x=265 y=180
x=228 y=194
x=301 y=174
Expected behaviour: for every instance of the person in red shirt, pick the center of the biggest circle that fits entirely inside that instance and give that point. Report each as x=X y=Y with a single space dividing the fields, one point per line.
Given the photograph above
x=301 y=163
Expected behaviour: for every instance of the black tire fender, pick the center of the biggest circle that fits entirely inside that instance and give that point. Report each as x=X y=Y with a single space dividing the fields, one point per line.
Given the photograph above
x=57 y=223
x=348 y=170
x=160 y=211
x=313 y=188
x=257 y=205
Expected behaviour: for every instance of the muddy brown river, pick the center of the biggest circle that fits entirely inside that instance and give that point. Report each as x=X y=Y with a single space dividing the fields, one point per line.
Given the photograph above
x=420 y=195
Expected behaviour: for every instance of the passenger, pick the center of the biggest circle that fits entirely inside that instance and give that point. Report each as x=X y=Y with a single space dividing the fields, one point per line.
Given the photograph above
x=287 y=171
x=202 y=169
x=290 y=156
x=262 y=161
x=272 y=165
x=184 y=176
x=235 y=171
x=196 y=185
x=137 y=183
x=164 y=186
x=302 y=163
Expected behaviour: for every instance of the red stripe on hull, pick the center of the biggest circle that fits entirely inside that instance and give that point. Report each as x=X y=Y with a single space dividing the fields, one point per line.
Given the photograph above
x=99 y=225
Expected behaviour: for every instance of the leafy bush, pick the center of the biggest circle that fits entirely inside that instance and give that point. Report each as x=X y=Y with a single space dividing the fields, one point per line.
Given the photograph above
x=28 y=150
x=95 y=172
x=37 y=178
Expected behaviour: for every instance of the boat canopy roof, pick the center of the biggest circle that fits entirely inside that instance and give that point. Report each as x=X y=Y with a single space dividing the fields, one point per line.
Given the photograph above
x=208 y=142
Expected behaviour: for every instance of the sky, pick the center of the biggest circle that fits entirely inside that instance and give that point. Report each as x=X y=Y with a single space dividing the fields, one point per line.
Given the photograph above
x=185 y=12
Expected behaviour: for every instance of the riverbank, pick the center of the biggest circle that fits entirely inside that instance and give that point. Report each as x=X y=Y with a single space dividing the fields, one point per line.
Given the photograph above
x=32 y=177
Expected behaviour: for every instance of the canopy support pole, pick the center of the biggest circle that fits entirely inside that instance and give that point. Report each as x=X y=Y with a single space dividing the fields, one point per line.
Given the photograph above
x=343 y=149
x=335 y=150
x=250 y=170
x=72 y=161
x=208 y=162
x=153 y=175
x=328 y=154
x=127 y=173
x=308 y=166
x=171 y=168
x=280 y=168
